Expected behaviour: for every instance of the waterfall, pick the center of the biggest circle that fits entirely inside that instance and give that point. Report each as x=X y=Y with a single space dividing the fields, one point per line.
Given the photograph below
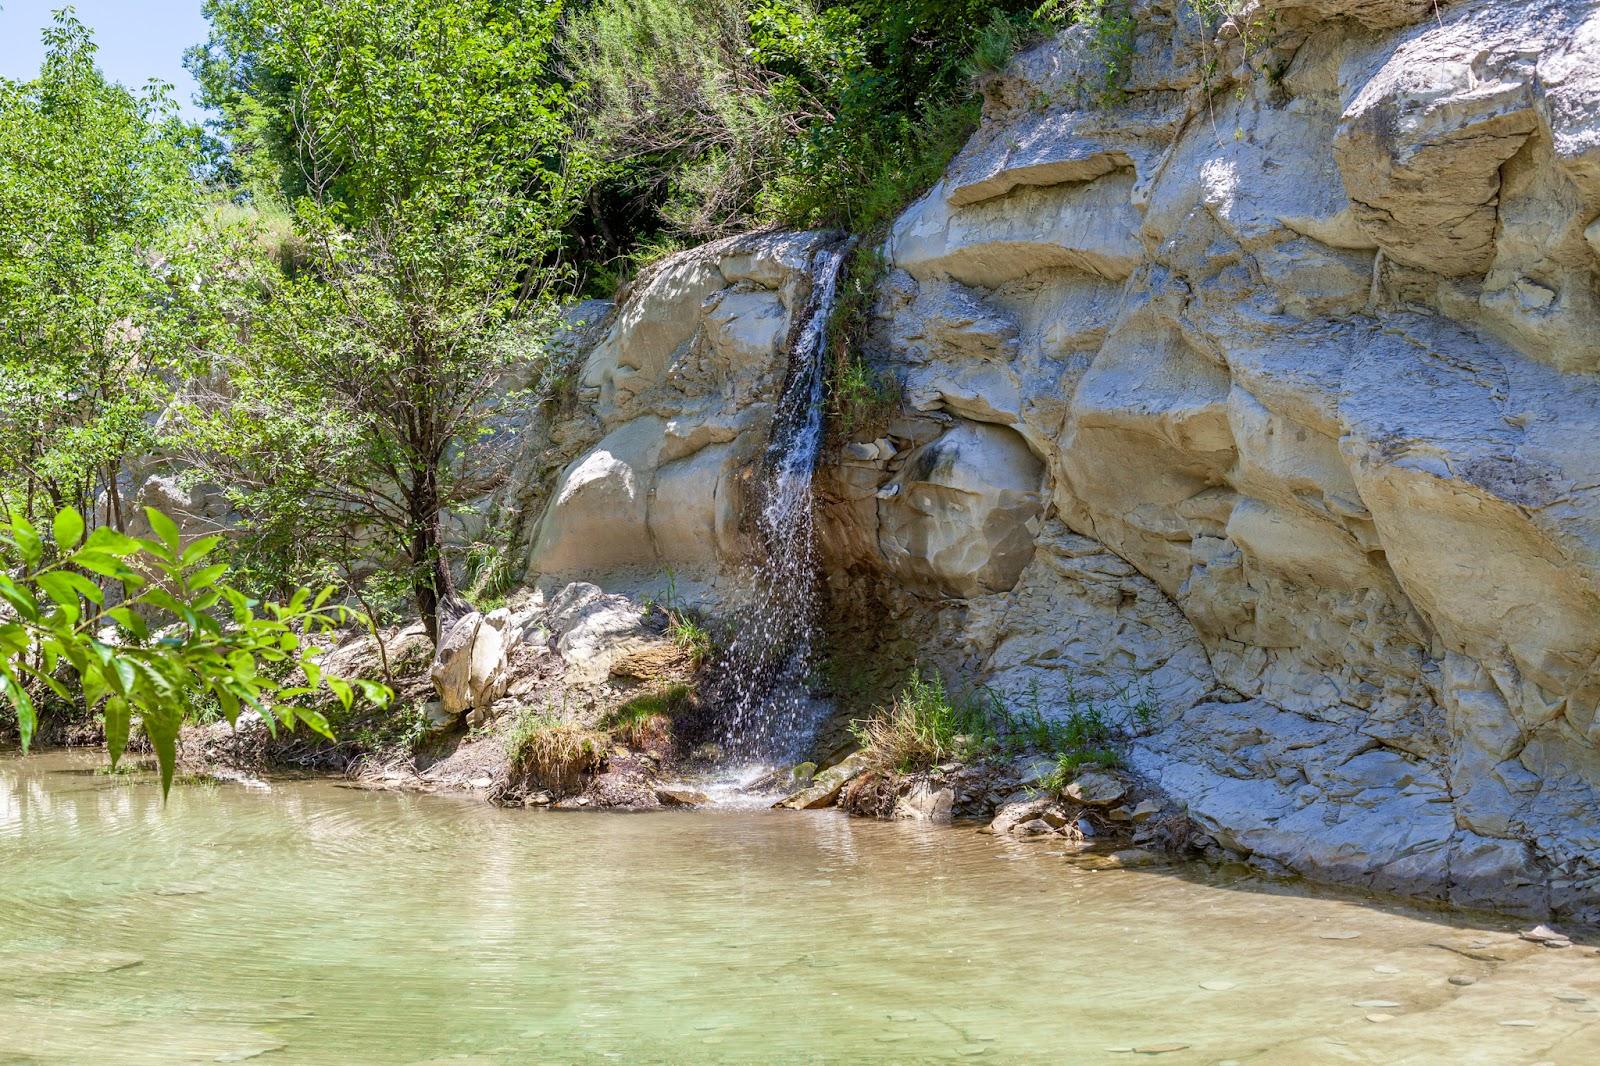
x=761 y=679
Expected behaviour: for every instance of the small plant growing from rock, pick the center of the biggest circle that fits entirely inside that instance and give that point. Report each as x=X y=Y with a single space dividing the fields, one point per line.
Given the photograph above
x=863 y=398
x=691 y=637
x=921 y=728
x=645 y=721
x=684 y=629
x=860 y=399
x=1112 y=29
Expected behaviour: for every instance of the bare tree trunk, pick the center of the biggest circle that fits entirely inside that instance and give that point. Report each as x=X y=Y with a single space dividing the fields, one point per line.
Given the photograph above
x=114 y=502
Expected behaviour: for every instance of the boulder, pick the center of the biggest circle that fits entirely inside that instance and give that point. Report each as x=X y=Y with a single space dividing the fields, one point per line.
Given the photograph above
x=470 y=665
x=1097 y=789
x=926 y=802
x=599 y=634
x=825 y=787
x=961 y=520
x=1017 y=812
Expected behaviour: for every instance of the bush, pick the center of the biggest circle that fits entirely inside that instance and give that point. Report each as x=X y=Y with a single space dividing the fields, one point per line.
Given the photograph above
x=921 y=728
x=734 y=113
x=553 y=753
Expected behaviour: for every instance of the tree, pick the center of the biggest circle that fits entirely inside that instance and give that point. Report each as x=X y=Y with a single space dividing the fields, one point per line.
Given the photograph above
x=748 y=112
x=419 y=144
x=105 y=285
x=149 y=657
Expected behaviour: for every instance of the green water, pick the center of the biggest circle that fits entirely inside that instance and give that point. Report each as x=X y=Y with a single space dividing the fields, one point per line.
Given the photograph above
x=320 y=924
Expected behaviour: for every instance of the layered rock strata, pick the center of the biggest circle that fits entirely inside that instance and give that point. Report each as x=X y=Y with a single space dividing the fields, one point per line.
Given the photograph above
x=1267 y=392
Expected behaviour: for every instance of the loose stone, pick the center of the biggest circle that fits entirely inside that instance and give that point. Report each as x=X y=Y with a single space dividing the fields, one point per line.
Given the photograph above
x=1541 y=934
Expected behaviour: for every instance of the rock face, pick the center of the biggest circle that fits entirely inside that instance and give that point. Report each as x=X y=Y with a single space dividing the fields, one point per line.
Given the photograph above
x=679 y=395
x=1260 y=408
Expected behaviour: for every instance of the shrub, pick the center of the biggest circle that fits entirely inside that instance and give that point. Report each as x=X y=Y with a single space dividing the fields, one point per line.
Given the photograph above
x=922 y=727
x=733 y=113
x=553 y=753
x=864 y=400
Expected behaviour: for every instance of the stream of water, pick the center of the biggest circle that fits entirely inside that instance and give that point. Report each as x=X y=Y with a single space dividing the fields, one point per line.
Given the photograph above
x=761 y=679
x=320 y=924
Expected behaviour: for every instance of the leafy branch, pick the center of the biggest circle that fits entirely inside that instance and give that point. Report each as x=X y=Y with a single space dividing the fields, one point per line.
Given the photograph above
x=170 y=632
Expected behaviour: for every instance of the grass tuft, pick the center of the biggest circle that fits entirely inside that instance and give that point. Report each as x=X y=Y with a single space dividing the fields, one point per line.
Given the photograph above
x=645 y=722
x=553 y=753
x=921 y=728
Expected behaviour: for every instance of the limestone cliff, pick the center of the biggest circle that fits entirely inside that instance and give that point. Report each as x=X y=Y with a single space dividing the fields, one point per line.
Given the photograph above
x=1273 y=385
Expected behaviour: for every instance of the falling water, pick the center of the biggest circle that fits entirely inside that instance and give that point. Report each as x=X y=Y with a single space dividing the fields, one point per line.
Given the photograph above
x=761 y=679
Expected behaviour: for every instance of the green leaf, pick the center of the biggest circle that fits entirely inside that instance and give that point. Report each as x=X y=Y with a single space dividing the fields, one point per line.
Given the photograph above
x=164 y=527
x=67 y=529
x=19 y=598
x=341 y=689
x=117 y=720
x=376 y=694
x=200 y=549
x=163 y=736
x=65 y=588
x=316 y=721
x=102 y=563
x=205 y=578
x=26 y=718
x=229 y=702
x=107 y=541
x=27 y=539
x=130 y=621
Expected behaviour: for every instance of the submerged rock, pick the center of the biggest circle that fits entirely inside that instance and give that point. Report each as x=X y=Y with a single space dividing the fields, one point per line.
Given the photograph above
x=682 y=797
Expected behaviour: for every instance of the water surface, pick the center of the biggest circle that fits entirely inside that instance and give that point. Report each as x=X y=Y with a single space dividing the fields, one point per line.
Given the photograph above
x=320 y=924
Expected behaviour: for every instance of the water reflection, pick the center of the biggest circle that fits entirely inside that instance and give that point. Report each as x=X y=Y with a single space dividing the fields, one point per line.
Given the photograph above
x=319 y=924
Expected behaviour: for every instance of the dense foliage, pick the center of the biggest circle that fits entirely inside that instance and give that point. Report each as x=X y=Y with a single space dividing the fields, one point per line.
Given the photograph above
x=418 y=146
x=732 y=113
x=170 y=632
x=105 y=278
x=334 y=308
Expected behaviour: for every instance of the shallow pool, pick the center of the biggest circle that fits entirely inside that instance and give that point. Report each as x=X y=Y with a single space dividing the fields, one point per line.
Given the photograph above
x=315 y=923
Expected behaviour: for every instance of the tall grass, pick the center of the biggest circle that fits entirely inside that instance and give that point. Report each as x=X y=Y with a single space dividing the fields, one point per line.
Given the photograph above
x=553 y=753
